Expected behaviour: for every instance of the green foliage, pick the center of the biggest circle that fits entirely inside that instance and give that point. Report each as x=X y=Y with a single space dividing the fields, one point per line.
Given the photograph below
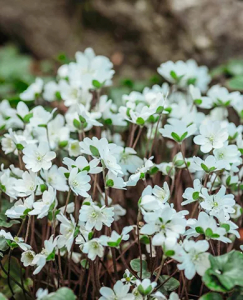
x=211 y=296
x=225 y=273
x=16 y=272
x=61 y=294
x=5 y=223
x=169 y=286
x=135 y=265
x=15 y=73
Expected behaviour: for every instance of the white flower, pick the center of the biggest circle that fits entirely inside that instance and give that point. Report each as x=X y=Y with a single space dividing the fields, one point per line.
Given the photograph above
x=50 y=91
x=115 y=239
x=41 y=293
x=74 y=148
x=194 y=258
x=120 y=291
x=227 y=155
x=20 y=207
x=198 y=99
x=221 y=96
x=192 y=194
x=162 y=194
x=165 y=223
x=37 y=158
x=206 y=225
x=8 y=145
x=156 y=201
x=55 y=178
x=145 y=287
x=89 y=67
x=17 y=240
x=118 y=210
x=185 y=73
x=95 y=216
x=33 y=91
x=41 y=258
x=114 y=181
x=93 y=248
x=40 y=116
x=178 y=130
x=79 y=182
x=42 y=207
x=140 y=172
x=67 y=230
x=27 y=185
x=212 y=136
x=57 y=132
x=214 y=204
x=72 y=93
x=209 y=165
x=27 y=258
x=129 y=161
x=82 y=164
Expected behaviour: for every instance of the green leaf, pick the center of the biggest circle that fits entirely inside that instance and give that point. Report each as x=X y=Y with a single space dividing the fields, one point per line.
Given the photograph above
x=90 y=235
x=135 y=264
x=19 y=147
x=236 y=83
x=114 y=244
x=63 y=144
x=15 y=272
x=176 y=137
x=5 y=223
x=61 y=294
x=110 y=183
x=225 y=226
x=179 y=163
x=198 y=101
x=144 y=239
x=28 y=117
x=2 y=297
x=82 y=119
x=85 y=263
x=3 y=244
x=77 y=124
x=94 y=151
x=209 y=232
x=199 y=230
x=225 y=273
x=43 y=187
x=169 y=286
x=173 y=75
x=204 y=167
x=96 y=84
x=211 y=296
x=195 y=195
x=140 y=121
x=108 y=121
x=184 y=136
x=170 y=253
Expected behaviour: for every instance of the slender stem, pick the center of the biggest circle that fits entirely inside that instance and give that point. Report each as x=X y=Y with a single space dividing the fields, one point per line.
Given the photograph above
x=60 y=267
x=137 y=138
x=132 y=134
x=139 y=244
x=155 y=135
x=9 y=266
x=67 y=200
x=28 y=229
x=160 y=269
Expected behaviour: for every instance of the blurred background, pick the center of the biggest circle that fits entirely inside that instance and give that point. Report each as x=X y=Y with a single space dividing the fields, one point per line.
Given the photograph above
x=137 y=35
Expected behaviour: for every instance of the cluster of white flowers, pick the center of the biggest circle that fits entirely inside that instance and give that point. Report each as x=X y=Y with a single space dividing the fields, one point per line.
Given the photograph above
x=75 y=174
